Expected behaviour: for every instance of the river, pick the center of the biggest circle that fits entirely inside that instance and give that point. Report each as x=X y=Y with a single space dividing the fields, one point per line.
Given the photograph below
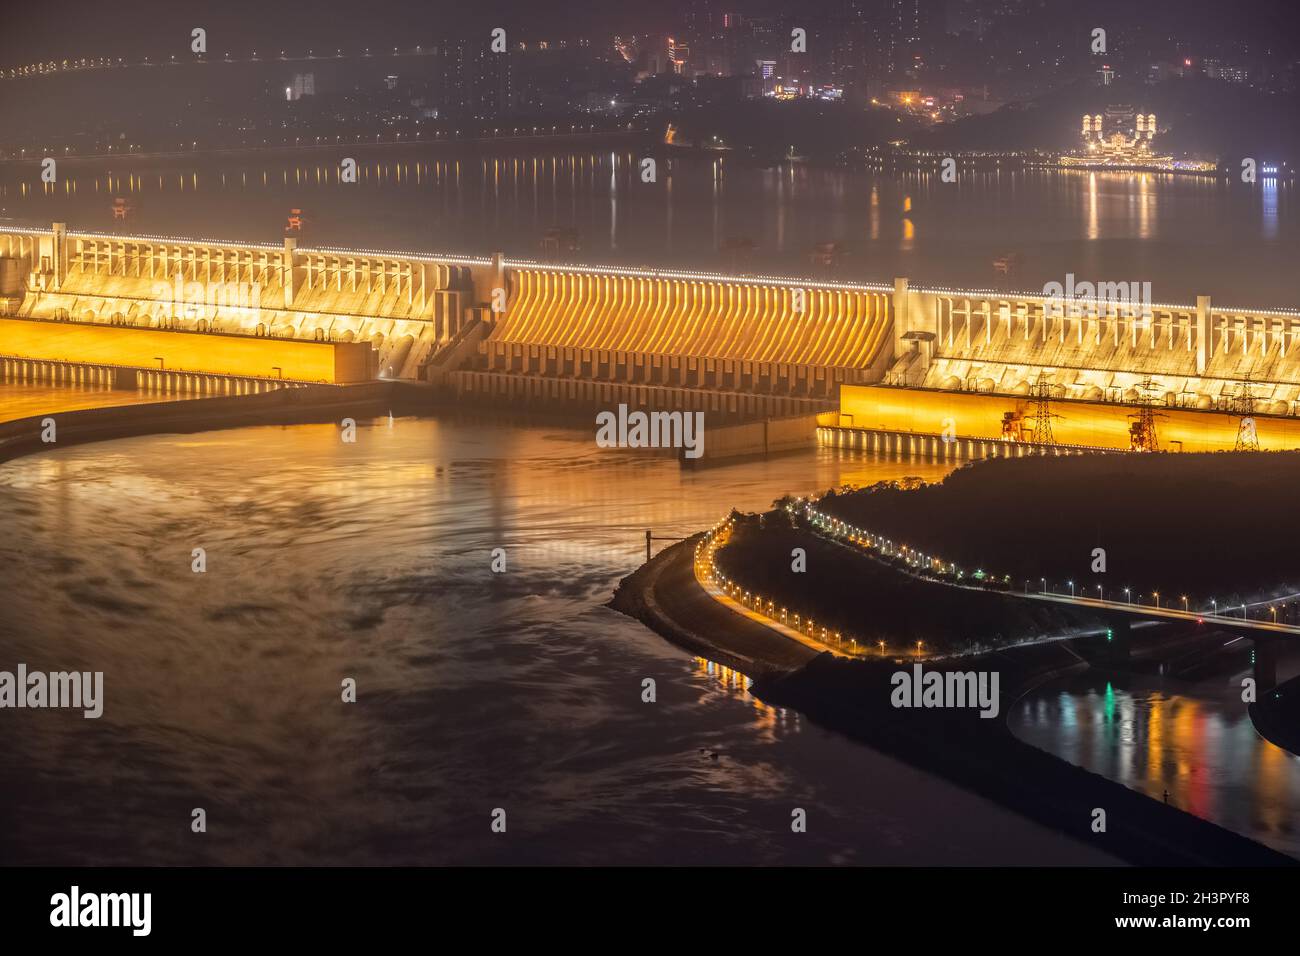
x=476 y=690
x=1193 y=740
x=28 y=399
x=1165 y=229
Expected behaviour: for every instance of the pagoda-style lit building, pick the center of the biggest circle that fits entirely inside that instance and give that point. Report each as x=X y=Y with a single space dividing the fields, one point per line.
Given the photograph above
x=1121 y=137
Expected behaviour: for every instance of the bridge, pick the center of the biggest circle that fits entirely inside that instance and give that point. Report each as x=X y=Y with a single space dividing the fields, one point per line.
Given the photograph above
x=1154 y=612
x=519 y=330
x=1119 y=614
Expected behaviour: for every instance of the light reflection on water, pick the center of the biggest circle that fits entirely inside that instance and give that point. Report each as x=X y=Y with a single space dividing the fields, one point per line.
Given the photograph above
x=26 y=399
x=475 y=691
x=770 y=719
x=1099 y=226
x=1202 y=749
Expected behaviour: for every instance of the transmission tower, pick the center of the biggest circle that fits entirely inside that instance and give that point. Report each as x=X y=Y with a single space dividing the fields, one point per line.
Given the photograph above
x=1039 y=411
x=1243 y=404
x=1142 y=433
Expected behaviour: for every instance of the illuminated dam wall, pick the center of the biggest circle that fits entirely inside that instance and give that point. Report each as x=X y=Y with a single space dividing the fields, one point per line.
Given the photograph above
x=297 y=360
x=1077 y=423
x=453 y=320
x=1195 y=356
x=403 y=307
x=675 y=329
x=756 y=336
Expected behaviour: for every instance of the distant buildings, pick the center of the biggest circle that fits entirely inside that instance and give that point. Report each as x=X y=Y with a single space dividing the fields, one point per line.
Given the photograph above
x=1219 y=69
x=304 y=84
x=474 y=83
x=854 y=47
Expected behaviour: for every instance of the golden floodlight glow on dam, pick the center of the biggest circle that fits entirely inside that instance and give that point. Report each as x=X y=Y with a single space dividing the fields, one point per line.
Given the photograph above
x=240 y=355
x=495 y=325
x=717 y=319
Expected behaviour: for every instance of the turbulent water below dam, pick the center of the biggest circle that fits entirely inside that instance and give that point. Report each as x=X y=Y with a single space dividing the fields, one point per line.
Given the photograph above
x=476 y=690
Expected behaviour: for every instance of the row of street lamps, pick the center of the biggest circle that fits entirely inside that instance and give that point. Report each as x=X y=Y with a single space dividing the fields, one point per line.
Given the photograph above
x=1128 y=595
x=914 y=558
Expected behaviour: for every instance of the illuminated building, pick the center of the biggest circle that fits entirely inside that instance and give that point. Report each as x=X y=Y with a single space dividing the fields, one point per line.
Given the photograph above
x=1119 y=129
x=1121 y=136
x=474 y=82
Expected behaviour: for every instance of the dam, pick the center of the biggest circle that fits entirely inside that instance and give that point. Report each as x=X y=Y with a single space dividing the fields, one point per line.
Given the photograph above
x=186 y=312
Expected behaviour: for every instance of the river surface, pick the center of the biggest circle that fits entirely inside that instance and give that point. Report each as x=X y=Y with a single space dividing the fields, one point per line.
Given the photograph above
x=1195 y=741
x=1185 y=235
x=26 y=400
x=475 y=691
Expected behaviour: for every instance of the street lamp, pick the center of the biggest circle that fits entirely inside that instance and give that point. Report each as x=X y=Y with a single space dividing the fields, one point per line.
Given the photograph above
x=1128 y=595
x=1274 y=610
x=1156 y=595
x=1184 y=602
x=1099 y=592
x=1071 y=589
x=1215 y=605
x=1044 y=582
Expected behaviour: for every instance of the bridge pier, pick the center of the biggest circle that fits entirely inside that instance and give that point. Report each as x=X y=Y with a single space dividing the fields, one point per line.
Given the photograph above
x=1265 y=655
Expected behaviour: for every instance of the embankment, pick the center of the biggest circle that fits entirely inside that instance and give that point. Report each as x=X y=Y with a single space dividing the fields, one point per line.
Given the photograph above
x=1276 y=715
x=1208 y=526
x=982 y=755
x=872 y=602
x=316 y=403
x=664 y=595
x=759 y=438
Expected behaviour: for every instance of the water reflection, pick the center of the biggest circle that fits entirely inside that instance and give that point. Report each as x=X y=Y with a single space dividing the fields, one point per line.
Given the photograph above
x=1269 y=194
x=1094 y=224
x=22 y=399
x=1203 y=751
x=771 y=721
x=888 y=224
x=476 y=690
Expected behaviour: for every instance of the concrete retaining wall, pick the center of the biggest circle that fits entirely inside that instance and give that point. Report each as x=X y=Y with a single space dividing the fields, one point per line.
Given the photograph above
x=329 y=362
x=287 y=406
x=766 y=437
x=520 y=391
x=1082 y=424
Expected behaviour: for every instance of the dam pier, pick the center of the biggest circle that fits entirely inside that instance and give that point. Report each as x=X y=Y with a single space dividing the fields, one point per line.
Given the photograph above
x=889 y=367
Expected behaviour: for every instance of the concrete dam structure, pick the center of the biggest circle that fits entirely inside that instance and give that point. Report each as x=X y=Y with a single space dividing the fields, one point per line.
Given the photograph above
x=1194 y=356
x=525 y=332
x=731 y=334
x=272 y=298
